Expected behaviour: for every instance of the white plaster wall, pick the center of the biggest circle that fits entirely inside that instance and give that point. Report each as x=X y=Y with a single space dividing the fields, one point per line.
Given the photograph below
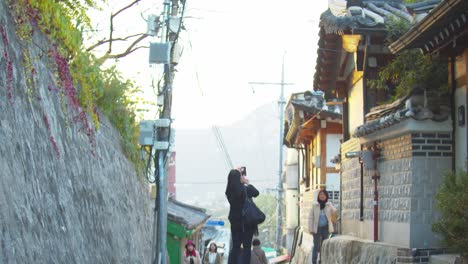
x=461 y=152
x=333 y=147
x=356 y=111
x=292 y=177
x=292 y=207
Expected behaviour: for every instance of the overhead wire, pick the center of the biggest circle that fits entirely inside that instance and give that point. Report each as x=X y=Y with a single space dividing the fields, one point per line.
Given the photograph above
x=215 y=129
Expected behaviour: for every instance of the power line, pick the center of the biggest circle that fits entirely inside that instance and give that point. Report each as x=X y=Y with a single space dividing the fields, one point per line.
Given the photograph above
x=219 y=182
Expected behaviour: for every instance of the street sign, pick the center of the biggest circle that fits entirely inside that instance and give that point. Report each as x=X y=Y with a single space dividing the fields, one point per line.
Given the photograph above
x=214 y=223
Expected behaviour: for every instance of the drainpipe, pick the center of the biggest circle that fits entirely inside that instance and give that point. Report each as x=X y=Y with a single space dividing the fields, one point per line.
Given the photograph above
x=375 y=178
x=453 y=85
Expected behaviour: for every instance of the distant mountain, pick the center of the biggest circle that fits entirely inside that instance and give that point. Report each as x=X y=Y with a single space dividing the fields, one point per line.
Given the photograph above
x=252 y=142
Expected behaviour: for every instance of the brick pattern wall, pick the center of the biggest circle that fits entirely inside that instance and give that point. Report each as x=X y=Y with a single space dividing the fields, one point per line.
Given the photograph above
x=397 y=184
x=432 y=144
x=350 y=181
x=396 y=148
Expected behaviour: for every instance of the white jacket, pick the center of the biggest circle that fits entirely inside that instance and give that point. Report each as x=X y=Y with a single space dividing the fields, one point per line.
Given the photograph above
x=330 y=211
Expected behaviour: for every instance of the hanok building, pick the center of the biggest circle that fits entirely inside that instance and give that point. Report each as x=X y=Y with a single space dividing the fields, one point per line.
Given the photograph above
x=184 y=223
x=392 y=156
x=444 y=33
x=314 y=130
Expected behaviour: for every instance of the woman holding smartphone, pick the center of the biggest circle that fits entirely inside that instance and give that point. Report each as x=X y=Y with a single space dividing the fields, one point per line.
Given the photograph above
x=237 y=187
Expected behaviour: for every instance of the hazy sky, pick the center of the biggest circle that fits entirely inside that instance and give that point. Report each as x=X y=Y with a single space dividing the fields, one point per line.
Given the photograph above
x=227 y=44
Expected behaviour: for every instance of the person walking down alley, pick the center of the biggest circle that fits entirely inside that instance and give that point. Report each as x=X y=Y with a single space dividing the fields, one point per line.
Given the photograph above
x=321 y=221
x=212 y=256
x=191 y=255
x=236 y=190
x=258 y=255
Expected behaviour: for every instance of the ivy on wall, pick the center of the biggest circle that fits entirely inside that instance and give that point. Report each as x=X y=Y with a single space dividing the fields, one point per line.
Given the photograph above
x=85 y=85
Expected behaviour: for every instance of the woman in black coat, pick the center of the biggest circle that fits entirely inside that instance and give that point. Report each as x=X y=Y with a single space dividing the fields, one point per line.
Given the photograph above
x=236 y=189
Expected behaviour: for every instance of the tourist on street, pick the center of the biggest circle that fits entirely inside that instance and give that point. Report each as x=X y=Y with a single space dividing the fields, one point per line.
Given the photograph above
x=212 y=256
x=321 y=219
x=258 y=255
x=191 y=255
x=237 y=187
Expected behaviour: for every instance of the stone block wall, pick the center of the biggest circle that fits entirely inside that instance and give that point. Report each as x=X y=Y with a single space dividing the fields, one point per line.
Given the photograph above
x=350 y=182
x=395 y=184
x=62 y=199
x=427 y=174
x=411 y=167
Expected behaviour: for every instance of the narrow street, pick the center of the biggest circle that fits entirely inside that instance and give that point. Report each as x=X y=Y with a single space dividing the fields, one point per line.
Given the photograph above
x=214 y=132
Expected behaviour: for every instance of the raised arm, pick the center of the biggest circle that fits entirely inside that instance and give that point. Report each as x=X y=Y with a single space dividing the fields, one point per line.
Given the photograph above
x=252 y=191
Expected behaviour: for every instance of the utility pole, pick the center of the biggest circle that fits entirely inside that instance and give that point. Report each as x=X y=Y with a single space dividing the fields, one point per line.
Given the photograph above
x=161 y=154
x=162 y=129
x=281 y=104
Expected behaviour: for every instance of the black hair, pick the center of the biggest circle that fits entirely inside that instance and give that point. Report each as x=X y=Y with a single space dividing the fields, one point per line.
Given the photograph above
x=324 y=192
x=256 y=242
x=216 y=247
x=232 y=182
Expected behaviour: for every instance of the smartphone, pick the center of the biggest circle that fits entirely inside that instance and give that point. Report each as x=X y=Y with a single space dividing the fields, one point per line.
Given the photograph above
x=243 y=171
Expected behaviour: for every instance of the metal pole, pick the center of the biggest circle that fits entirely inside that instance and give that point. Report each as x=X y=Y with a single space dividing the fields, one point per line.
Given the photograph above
x=162 y=209
x=281 y=104
x=161 y=201
x=155 y=243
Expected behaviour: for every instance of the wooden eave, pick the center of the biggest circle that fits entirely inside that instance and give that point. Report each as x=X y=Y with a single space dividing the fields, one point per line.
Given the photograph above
x=444 y=24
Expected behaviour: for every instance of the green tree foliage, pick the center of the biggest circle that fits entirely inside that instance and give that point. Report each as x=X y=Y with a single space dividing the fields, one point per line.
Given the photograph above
x=267 y=230
x=410 y=68
x=452 y=202
x=118 y=104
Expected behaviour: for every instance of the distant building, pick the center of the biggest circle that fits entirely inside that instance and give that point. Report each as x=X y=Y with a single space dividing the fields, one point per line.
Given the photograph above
x=313 y=132
x=393 y=156
x=184 y=223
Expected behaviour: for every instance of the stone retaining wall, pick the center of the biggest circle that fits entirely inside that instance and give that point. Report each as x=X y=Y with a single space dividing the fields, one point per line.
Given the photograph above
x=62 y=199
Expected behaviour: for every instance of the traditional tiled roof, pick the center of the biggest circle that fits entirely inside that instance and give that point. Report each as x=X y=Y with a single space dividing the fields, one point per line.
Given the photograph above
x=358 y=17
x=186 y=215
x=362 y=15
x=447 y=21
x=409 y=107
x=312 y=104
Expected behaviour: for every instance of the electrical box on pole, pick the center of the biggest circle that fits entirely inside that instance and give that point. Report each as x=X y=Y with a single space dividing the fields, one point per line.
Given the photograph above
x=146 y=133
x=160 y=53
x=154 y=25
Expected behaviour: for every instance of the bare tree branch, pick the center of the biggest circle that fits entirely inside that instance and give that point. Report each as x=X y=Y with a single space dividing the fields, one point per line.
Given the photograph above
x=109 y=51
x=125 y=8
x=121 y=55
x=129 y=50
x=104 y=41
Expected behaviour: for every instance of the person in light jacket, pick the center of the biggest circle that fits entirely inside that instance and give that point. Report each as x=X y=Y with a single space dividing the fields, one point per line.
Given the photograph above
x=321 y=219
x=211 y=255
x=191 y=255
x=258 y=255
